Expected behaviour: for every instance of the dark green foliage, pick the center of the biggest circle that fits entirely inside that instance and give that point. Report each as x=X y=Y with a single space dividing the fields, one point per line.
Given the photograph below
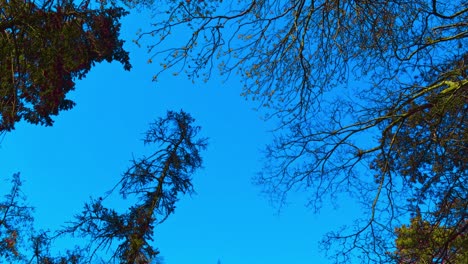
x=44 y=47
x=424 y=242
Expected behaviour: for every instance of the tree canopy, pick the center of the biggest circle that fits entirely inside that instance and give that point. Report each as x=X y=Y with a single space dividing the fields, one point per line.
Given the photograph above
x=44 y=47
x=423 y=242
x=370 y=99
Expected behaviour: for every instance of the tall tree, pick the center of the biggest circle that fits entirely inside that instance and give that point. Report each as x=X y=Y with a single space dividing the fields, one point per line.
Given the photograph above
x=46 y=45
x=371 y=99
x=156 y=182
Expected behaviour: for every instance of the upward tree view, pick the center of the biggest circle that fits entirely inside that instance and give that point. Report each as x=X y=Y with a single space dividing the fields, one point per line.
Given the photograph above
x=370 y=99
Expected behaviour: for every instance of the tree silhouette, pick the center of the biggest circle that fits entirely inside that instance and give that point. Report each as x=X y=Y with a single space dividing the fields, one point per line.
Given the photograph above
x=15 y=221
x=371 y=99
x=45 y=46
x=156 y=182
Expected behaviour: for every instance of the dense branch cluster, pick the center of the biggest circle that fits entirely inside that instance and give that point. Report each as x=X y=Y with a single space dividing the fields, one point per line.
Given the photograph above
x=44 y=47
x=371 y=99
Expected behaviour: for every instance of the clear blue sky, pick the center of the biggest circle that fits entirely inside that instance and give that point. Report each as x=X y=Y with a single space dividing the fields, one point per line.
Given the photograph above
x=89 y=147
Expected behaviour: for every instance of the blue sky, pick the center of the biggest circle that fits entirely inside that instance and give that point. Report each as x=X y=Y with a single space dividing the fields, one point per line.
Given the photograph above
x=89 y=147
